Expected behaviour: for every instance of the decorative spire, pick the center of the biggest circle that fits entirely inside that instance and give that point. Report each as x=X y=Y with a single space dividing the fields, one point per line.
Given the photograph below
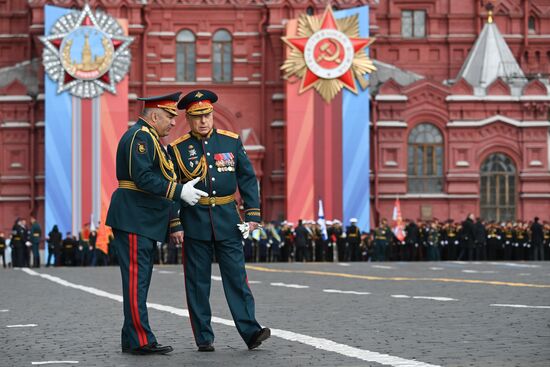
x=489 y=7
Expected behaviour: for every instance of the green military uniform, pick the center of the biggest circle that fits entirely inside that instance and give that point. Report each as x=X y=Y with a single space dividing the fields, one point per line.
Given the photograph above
x=219 y=159
x=139 y=215
x=36 y=234
x=382 y=236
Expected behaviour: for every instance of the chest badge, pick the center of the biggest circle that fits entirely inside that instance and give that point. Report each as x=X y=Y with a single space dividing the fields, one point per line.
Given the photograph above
x=225 y=162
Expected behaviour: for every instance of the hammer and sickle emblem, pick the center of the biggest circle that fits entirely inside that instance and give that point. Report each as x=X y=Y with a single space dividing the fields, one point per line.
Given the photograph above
x=327 y=53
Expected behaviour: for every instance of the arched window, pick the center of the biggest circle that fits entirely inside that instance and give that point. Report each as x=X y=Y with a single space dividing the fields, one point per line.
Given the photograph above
x=498 y=188
x=185 y=56
x=425 y=160
x=222 y=54
x=531 y=25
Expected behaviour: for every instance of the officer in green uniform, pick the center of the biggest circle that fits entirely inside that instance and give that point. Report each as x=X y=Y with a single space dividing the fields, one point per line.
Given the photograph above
x=36 y=234
x=139 y=214
x=217 y=158
x=382 y=235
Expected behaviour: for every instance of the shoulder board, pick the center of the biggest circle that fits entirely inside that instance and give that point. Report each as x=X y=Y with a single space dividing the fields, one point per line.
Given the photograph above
x=228 y=133
x=180 y=139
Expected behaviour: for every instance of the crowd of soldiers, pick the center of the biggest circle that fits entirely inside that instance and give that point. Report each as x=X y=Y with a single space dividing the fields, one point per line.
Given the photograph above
x=286 y=242
x=423 y=241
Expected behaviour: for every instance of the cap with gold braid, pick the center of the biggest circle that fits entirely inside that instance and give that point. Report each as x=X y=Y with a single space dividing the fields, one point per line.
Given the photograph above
x=198 y=102
x=167 y=102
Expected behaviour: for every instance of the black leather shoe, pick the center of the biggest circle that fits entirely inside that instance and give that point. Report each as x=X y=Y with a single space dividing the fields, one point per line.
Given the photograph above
x=206 y=348
x=260 y=336
x=153 y=348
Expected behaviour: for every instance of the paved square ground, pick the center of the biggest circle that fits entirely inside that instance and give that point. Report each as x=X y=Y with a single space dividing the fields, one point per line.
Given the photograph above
x=322 y=314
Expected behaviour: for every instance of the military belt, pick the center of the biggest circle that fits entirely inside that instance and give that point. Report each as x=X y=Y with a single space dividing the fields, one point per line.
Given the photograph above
x=217 y=200
x=130 y=185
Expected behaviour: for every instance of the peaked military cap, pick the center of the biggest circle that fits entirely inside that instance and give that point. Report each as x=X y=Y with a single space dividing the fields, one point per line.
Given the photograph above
x=198 y=102
x=167 y=102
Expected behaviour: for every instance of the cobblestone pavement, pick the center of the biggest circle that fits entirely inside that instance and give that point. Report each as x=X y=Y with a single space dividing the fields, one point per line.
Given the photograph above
x=323 y=314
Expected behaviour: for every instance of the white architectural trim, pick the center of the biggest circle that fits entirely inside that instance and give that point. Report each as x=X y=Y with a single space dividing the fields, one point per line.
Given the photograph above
x=497 y=118
x=531 y=195
x=168 y=79
x=278 y=96
x=160 y=34
x=471 y=98
x=167 y=61
x=15 y=198
x=462 y=175
x=204 y=34
x=254 y=148
x=278 y=123
x=430 y=196
x=246 y=34
x=132 y=96
x=240 y=79
x=14 y=35
x=534 y=196
x=14 y=124
x=391 y=97
x=203 y=60
x=462 y=164
x=391 y=124
x=15 y=98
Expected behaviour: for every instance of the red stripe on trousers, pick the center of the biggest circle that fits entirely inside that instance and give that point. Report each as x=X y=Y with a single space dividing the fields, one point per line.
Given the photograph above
x=142 y=337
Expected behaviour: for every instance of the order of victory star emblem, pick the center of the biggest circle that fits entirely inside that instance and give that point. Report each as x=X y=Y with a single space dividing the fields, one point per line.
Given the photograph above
x=86 y=53
x=328 y=55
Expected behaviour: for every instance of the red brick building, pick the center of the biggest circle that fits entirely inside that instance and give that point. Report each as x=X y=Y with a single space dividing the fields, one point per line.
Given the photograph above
x=444 y=139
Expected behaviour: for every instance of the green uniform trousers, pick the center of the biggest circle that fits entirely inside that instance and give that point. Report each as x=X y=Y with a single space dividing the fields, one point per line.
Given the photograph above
x=198 y=270
x=135 y=256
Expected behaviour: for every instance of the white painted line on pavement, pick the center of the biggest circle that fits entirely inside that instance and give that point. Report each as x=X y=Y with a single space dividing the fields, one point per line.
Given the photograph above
x=4 y=310
x=343 y=264
x=344 y=292
x=478 y=271
x=519 y=306
x=23 y=325
x=166 y=272
x=436 y=268
x=289 y=285
x=516 y=265
x=442 y=299
x=254 y=282
x=55 y=362
x=215 y=277
x=319 y=343
x=524 y=274
x=382 y=267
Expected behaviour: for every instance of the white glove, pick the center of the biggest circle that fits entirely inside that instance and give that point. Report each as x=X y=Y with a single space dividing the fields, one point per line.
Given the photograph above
x=245 y=229
x=191 y=195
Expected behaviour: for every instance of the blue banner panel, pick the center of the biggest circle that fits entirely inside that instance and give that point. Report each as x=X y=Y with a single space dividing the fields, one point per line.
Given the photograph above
x=58 y=144
x=356 y=141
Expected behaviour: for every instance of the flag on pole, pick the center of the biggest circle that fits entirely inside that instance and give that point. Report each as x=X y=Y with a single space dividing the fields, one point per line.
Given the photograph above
x=398 y=229
x=321 y=221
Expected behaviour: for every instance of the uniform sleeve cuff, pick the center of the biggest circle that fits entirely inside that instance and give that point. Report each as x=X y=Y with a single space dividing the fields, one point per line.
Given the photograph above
x=175 y=225
x=253 y=215
x=174 y=191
